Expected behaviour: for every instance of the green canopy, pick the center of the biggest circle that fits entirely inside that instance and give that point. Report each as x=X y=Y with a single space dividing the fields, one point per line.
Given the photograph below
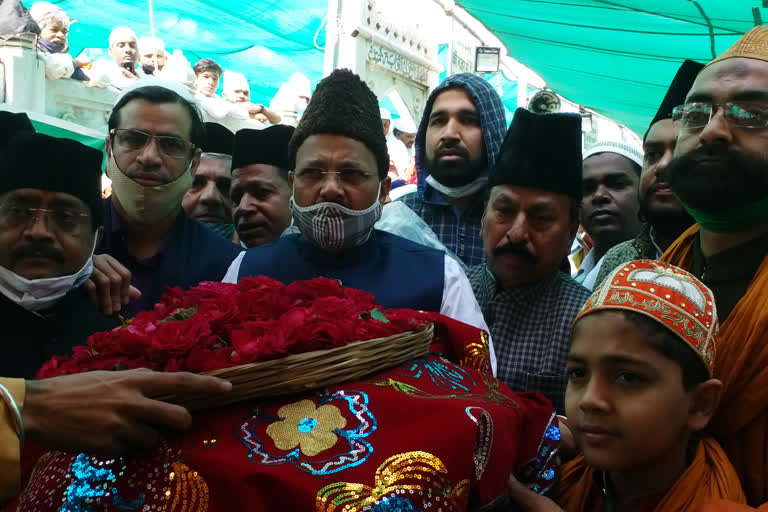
x=267 y=40
x=615 y=57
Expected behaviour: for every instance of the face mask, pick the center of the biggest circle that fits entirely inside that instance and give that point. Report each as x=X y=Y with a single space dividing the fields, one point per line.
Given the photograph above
x=148 y=205
x=52 y=47
x=40 y=294
x=332 y=226
x=459 y=192
x=734 y=220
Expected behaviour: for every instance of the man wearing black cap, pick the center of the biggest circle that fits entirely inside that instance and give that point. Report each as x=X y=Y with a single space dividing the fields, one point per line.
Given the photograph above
x=458 y=138
x=207 y=200
x=260 y=191
x=50 y=220
x=665 y=217
x=528 y=227
x=152 y=148
x=339 y=158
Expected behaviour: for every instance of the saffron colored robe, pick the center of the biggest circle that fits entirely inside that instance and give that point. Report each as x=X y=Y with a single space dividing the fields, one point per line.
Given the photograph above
x=741 y=363
x=709 y=477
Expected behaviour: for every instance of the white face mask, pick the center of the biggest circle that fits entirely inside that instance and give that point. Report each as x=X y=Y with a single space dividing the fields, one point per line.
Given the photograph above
x=147 y=205
x=332 y=226
x=458 y=192
x=40 y=294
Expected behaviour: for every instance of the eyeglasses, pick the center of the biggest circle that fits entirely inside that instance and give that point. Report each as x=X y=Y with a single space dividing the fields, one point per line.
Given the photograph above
x=63 y=220
x=136 y=140
x=742 y=114
x=310 y=176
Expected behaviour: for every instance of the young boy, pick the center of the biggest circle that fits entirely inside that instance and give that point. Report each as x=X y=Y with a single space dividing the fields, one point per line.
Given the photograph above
x=640 y=392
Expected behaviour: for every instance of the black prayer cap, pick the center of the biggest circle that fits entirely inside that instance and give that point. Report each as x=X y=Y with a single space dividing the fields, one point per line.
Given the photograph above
x=218 y=139
x=35 y=160
x=12 y=123
x=677 y=91
x=541 y=151
x=342 y=104
x=268 y=146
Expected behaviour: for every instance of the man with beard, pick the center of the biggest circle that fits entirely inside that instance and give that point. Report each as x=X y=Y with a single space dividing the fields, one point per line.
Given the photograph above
x=153 y=153
x=260 y=191
x=458 y=138
x=207 y=200
x=121 y=69
x=152 y=55
x=664 y=216
x=720 y=175
x=610 y=211
x=528 y=227
x=339 y=185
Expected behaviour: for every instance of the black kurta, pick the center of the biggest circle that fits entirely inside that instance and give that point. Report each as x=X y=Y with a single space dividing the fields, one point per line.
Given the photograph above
x=29 y=340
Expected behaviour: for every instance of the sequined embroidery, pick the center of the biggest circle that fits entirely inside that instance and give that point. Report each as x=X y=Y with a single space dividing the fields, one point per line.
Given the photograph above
x=540 y=473
x=307 y=426
x=404 y=482
x=79 y=483
x=477 y=355
x=483 y=440
x=187 y=492
x=492 y=396
x=342 y=417
x=448 y=378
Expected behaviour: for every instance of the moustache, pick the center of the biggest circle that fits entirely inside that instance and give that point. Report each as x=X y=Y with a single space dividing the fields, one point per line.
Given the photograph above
x=37 y=249
x=716 y=176
x=452 y=149
x=516 y=249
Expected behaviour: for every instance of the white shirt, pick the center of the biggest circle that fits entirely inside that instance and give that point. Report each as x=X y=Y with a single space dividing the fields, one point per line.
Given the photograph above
x=458 y=300
x=398 y=153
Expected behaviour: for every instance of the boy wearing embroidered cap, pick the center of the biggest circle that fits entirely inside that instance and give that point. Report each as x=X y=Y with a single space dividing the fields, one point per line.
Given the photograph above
x=610 y=209
x=640 y=389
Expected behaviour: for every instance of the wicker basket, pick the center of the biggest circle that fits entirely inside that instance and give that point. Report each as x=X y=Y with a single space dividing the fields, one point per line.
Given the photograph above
x=313 y=370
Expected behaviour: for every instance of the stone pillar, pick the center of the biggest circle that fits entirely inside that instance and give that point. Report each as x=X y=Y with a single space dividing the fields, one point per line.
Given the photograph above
x=24 y=83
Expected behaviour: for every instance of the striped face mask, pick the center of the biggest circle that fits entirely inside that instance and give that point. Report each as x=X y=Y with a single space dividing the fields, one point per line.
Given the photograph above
x=332 y=226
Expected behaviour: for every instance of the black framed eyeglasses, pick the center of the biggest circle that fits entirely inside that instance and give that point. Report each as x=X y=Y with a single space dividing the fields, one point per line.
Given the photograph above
x=128 y=139
x=741 y=114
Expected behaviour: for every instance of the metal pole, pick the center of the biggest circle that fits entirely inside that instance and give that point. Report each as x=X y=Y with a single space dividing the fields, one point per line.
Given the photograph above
x=151 y=19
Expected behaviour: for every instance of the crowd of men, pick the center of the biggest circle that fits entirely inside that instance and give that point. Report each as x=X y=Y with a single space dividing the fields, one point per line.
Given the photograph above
x=192 y=201
x=130 y=58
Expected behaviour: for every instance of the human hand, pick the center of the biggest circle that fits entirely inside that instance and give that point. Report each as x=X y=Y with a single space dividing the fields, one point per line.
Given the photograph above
x=82 y=61
x=527 y=500
x=128 y=74
x=109 y=287
x=109 y=413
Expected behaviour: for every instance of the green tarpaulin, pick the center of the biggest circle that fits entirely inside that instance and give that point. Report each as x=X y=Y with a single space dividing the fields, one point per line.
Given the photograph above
x=616 y=57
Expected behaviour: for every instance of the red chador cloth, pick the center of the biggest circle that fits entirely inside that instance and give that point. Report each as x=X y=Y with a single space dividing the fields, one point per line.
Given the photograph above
x=428 y=435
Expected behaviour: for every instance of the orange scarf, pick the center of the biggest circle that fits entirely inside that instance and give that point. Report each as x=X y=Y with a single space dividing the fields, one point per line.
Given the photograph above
x=741 y=422
x=709 y=477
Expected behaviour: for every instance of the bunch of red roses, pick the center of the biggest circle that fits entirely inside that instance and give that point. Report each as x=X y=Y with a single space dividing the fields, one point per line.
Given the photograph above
x=219 y=325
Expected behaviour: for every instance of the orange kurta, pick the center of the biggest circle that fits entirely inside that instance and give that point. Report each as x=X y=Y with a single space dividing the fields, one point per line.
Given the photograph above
x=709 y=477
x=741 y=422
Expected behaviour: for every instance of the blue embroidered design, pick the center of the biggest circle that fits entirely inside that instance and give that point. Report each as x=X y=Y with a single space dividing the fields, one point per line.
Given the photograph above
x=356 y=402
x=447 y=378
x=120 y=504
x=89 y=483
x=394 y=504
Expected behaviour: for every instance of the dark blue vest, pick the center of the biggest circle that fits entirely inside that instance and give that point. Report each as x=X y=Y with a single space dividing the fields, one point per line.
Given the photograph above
x=398 y=272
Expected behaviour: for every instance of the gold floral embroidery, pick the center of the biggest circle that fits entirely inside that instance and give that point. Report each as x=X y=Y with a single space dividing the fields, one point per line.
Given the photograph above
x=416 y=479
x=188 y=491
x=305 y=425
